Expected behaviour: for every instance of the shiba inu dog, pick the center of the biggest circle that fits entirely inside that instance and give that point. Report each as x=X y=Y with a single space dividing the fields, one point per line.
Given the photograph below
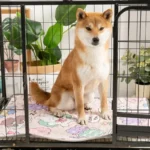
x=85 y=69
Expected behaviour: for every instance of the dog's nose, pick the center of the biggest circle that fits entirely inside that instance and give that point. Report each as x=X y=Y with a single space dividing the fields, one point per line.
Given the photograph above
x=95 y=41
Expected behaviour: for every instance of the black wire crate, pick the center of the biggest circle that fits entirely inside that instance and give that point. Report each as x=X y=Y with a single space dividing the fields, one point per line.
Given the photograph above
x=135 y=45
x=36 y=38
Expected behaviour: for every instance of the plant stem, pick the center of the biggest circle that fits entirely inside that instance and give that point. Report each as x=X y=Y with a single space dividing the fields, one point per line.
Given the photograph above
x=6 y=51
x=37 y=42
x=67 y=29
x=34 y=52
x=41 y=43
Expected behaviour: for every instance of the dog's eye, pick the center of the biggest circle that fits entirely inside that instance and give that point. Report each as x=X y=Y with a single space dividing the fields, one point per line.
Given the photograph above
x=101 y=28
x=88 y=28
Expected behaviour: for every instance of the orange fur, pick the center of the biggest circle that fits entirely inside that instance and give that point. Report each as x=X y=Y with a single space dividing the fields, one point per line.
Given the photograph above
x=69 y=81
x=36 y=91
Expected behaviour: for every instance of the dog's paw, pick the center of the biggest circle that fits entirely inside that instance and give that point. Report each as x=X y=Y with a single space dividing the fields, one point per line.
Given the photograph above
x=58 y=113
x=82 y=121
x=87 y=107
x=106 y=115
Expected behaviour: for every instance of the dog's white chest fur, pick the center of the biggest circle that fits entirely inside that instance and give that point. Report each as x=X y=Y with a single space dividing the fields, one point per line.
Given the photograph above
x=96 y=66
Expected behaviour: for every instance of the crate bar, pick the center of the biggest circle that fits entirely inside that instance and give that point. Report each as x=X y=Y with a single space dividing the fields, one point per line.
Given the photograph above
x=133 y=128
x=3 y=102
x=134 y=144
x=128 y=131
x=115 y=63
x=138 y=8
x=133 y=115
x=72 y=2
x=2 y=58
x=133 y=134
x=74 y=145
x=115 y=68
x=24 y=71
x=134 y=41
x=61 y=144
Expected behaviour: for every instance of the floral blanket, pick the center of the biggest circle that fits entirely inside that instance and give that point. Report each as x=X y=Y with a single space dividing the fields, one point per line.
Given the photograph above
x=43 y=124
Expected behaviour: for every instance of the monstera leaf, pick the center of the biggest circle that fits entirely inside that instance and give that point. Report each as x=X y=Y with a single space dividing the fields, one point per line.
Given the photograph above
x=54 y=54
x=66 y=14
x=53 y=35
x=15 y=50
x=12 y=31
x=45 y=46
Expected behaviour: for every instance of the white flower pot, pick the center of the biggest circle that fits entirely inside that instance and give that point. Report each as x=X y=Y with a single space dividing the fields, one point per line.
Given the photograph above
x=143 y=91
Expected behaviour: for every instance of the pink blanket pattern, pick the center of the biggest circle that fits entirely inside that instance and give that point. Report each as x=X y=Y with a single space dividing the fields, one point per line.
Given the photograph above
x=43 y=124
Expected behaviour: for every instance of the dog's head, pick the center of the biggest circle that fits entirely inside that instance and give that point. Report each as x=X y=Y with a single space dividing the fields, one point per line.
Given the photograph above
x=93 y=29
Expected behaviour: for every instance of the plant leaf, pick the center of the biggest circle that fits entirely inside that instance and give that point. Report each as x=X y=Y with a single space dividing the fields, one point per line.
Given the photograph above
x=34 y=27
x=43 y=55
x=53 y=59
x=122 y=79
x=35 y=48
x=141 y=58
x=144 y=78
x=42 y=32
x=128 y=80
x=131 y=69
x=66 y=14
x=147 y=68
x=18 y=14
x=15 y=50
x=57 y=53
x=6 y=24
x=15 y=37
x=12 y=31
x=53 y=35
x=6 y=35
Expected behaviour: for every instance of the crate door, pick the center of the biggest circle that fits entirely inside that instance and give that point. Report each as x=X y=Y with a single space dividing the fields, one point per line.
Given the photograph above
x=131 y=87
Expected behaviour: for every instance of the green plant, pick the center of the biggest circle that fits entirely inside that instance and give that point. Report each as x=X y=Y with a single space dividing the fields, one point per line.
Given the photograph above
x=45 y=45
x=12 y=32
x=48 y=50
x=138 y=66
x=10 y=51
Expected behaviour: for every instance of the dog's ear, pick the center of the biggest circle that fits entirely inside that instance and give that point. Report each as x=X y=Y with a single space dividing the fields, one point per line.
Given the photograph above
x=80 y=14
x=107 y=14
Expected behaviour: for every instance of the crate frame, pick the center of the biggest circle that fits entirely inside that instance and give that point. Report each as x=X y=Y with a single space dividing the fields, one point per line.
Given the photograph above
x=116 y=129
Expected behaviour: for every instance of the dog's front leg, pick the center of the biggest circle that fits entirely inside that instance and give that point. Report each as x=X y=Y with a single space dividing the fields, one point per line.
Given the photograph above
x=103 y=90
x=79 y=98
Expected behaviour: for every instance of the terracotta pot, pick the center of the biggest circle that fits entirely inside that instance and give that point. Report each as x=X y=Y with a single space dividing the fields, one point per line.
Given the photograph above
x=11 y=65
x=143 y=91
x=34 y=67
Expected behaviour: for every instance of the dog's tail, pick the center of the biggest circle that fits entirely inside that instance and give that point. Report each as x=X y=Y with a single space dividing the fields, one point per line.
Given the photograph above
x=38 y=95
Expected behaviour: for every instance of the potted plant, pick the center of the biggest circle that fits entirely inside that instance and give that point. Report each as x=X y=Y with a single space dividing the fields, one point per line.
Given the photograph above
x=12 y=33
x=46 y=49
x=138 y=70
x=11 y=64
x=44 y=45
